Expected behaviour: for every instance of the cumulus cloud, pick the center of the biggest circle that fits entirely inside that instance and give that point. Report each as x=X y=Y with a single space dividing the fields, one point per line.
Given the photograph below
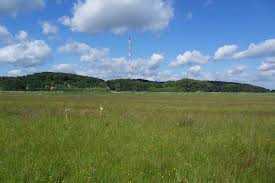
x=97 y=62
x=22 y=35
x=7 y=38
x=65 y=20
x=64 y=68
x=195 y=69
x=15 y=72
x=155 y=61
x=119 y=16
x=268 y=66
x=141 y=68
x=225 y=52
x=13 y=7
x=264 y=49
x=28 y=53
x=167 y=75
x=193 y=57
x=5 y=35
x=49 y=28
x=86 y=53
x=236 y=70
x=21 y=51
x=139 y=65
x=75 y=47
x=22 y=71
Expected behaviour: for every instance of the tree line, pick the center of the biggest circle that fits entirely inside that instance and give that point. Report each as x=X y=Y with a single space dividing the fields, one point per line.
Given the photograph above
x=48 y=81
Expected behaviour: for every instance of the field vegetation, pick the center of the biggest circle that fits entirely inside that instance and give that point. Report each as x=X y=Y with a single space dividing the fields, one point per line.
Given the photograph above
x=48 y=81
x=137 y=137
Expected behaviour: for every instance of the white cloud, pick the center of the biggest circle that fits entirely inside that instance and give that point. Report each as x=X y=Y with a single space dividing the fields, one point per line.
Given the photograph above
x=49 y=28
x=96 y=62
x=141 y=68
x=194 y=72
x=86 y=53
x=264 y=49
x=65 y=20
x=64 y=68
x=13 y=7
x=94 y=55
x=268 y=66
x=190 y=57
x=237 y=70
x=28 y=53
x=117 y=68
x=265 y=79
x=15 y=72
x=155 y=61
x=75 y=47
x=118 y=16
x=167 y=75
x=5 y=35
x=7 y=38
x=22 y=71
x=22 y=35
x=195 y=69
x=225 y=52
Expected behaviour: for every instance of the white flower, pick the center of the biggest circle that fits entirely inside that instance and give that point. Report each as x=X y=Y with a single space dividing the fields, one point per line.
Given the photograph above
x=67 y=110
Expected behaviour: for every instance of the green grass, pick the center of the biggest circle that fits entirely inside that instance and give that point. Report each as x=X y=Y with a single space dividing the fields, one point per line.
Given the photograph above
x=139 y=137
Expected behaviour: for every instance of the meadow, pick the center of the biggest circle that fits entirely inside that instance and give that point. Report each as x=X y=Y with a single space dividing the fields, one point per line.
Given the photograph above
x=137 y=137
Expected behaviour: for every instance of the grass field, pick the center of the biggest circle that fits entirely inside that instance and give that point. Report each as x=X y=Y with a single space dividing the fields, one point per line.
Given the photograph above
x=142 y=137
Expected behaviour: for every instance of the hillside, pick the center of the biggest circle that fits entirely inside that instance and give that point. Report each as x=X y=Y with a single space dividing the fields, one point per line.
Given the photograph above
x=49 y=81
x=184 y=85
x=61 y=81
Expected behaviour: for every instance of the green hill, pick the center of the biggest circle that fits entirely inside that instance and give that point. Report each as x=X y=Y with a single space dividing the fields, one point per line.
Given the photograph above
x=184 y=85
x=61 y=81
x=50 y=81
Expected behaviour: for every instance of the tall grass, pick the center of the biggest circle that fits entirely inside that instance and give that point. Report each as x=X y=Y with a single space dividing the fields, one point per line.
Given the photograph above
x=137 y=137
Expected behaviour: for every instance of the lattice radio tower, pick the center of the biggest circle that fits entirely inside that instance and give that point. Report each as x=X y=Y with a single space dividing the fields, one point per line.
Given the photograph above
x=130 y=51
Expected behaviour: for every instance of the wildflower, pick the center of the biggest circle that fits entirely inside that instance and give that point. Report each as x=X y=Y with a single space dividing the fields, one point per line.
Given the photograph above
x=101 y=109
x=67 y=110
x=67 y=113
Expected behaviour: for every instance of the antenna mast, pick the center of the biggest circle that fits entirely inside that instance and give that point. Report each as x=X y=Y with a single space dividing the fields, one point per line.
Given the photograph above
x=130 y=54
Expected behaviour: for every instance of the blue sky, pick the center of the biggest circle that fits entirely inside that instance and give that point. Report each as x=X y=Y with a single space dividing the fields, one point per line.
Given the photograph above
x=171 y=39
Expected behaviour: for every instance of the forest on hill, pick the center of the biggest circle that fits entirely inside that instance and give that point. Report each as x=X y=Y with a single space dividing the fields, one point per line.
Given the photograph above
x=48 y=81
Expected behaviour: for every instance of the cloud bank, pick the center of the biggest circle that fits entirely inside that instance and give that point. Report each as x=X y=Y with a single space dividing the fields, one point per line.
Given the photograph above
x=225 y=52
x=5 y=35
x=119 y=16
x=190 y=57
x=48 y=28
x=29 y=53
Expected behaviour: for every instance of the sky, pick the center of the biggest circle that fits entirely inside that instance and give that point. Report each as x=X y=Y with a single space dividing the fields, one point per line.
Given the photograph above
x=170 y=39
